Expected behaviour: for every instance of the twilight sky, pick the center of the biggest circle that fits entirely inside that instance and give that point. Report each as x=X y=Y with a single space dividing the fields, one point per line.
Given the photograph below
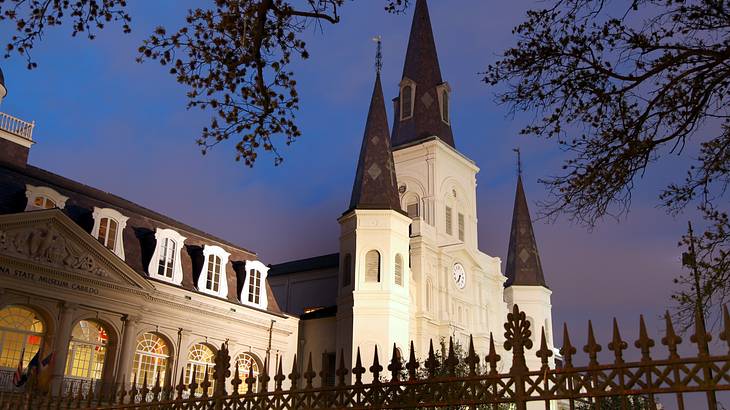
x=120 y=126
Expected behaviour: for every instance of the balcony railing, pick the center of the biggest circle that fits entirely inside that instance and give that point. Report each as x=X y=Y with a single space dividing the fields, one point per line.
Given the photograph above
x=16 y=126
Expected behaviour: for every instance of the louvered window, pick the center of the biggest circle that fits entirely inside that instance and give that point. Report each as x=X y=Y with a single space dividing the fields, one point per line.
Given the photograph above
x=412 y=210
x=445 y=105
x=372 y=266
x=406 y=102
x=398 y=269
x=449 y=228
x=461 y=227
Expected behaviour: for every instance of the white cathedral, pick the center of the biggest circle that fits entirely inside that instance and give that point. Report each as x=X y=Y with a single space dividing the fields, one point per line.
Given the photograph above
x=120 y=293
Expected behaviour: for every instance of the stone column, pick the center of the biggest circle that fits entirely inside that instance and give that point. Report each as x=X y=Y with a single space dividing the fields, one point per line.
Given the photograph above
x=127 y=349
x=61 y=341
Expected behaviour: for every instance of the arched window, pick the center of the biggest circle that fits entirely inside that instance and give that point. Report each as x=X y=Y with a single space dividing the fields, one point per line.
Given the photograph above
x=445 y=105
x=212 y=279
x=200 y=357
x=87 y=350
x=41 y=197
x=406 y=102
x=398 y=269
x=165 y=262
x=150 y=359
x=247 y=364
x=108 y=227
x=347 y=270
x=21 y=332
x=372 y=266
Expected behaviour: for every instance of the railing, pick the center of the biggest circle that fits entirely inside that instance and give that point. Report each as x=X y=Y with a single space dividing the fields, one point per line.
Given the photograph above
x=443 y=381
x=16 y=126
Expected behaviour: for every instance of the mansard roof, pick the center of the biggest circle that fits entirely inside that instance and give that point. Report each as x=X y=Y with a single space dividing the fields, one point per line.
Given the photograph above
x=523 y=259
x=139 y=234
x=422 y=67
x=375 y=185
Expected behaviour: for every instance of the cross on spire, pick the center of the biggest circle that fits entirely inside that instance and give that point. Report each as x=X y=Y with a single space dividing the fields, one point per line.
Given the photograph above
x=378 y=54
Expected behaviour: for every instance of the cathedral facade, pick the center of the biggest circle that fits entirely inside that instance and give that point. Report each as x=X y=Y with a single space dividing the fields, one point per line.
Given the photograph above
x=117 y=293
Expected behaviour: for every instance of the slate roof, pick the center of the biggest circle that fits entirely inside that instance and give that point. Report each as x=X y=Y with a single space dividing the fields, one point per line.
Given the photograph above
x=523 y=259
x=139 y=233
x=304 y=265
x=375 y=185
x=422 y=67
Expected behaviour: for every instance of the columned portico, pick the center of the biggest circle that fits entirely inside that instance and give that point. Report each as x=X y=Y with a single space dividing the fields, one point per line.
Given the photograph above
x=127 y=349
x=67 y=311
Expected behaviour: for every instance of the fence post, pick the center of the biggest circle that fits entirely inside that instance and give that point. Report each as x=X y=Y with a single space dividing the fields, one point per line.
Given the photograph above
x=221 y=371
x=517 y=338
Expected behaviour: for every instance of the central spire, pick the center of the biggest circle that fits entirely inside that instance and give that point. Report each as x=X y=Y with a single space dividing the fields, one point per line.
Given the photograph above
x=375 y=183
x=422 y=108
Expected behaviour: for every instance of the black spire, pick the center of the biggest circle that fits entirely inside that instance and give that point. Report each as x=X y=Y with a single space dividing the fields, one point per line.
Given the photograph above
x=375 y=183
x=422 y=67
x=523 y=259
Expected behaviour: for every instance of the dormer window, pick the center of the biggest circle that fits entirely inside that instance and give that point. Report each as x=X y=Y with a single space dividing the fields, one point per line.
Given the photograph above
x=254 y=287
x=407 y=92
x=108 y=227
x=443 y=92
x=165 y=263
x=212 y=279
x=41 y=197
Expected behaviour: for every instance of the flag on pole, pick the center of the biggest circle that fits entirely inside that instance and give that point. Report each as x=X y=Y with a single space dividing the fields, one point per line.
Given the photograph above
x=46 y=372
x=19 y=376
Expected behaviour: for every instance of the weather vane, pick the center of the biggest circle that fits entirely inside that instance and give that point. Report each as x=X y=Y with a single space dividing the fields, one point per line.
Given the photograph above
x=519 y=161
x=379 y=53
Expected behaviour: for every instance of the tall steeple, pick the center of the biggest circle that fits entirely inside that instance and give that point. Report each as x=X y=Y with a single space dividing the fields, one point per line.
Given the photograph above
x=375 y=184
x=422 y=109
x=523 y=259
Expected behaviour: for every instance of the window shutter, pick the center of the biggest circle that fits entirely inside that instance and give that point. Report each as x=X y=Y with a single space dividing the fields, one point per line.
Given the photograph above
x=372 y=267
x=412 y=210
x=449 y=229
x=461 y=227
x=398 y=270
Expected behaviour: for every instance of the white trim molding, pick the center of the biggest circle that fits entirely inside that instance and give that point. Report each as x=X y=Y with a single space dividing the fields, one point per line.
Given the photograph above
x=116 y=216
x=263 y=273
x=208 y=252
x=440 y=91
x=162 y=235
x=32 y=192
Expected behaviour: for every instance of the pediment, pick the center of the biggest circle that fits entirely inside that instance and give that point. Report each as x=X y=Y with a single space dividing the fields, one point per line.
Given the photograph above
x=51 y=239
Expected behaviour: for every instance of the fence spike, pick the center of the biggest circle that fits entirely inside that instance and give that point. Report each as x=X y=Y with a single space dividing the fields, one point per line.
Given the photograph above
x=324 y=373
x=544 y=353
x=431 y=363
x=250 y=381
x=358 y=370
x=617 y=346
x=451 y=360
x=645 y=343
x=294 y=375
x=121 y=394
x=376 y=368
x=725 y=335
x=205 y=385
x=156 y=389
x=236 y=381
x=701 y=337
x=492 y=358
x=342 y=369
x=592 y=348
x=193 y=385
x=264 y=376
x=472 y=359
x=412 y=364
x=180 y=388
x=671 y=340
x=133 y=391
x=279 y=377
x=395 y=365
x=221 y=371
x=144 y=390
x=309 y=375
x=167 y=389
x=568 y=350
x=90 y=395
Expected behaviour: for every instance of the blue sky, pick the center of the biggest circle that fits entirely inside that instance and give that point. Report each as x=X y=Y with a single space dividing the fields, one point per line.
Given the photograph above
x=120 y=126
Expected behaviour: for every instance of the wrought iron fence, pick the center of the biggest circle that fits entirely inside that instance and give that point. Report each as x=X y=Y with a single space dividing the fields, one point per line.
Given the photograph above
x=436 y=383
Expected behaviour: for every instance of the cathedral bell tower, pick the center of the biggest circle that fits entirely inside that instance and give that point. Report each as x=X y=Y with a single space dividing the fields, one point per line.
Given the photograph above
x=372 y=303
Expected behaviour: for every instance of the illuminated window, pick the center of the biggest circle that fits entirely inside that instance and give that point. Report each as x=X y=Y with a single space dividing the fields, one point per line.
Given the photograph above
x=150 y=359
x=87 y=350
x=398 y=269
x=213 y=280
x=372 y=266
x=254 y=286
x=108 y=227
x=200 y=358
x=247 y=366
x=21 y=332
x=41 y=197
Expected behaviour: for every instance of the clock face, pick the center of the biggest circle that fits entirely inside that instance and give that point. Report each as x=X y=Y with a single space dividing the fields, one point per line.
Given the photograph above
x=459 y=275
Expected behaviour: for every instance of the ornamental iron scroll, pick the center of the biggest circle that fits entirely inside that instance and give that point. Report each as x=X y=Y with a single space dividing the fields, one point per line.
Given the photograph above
x=439 y=381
